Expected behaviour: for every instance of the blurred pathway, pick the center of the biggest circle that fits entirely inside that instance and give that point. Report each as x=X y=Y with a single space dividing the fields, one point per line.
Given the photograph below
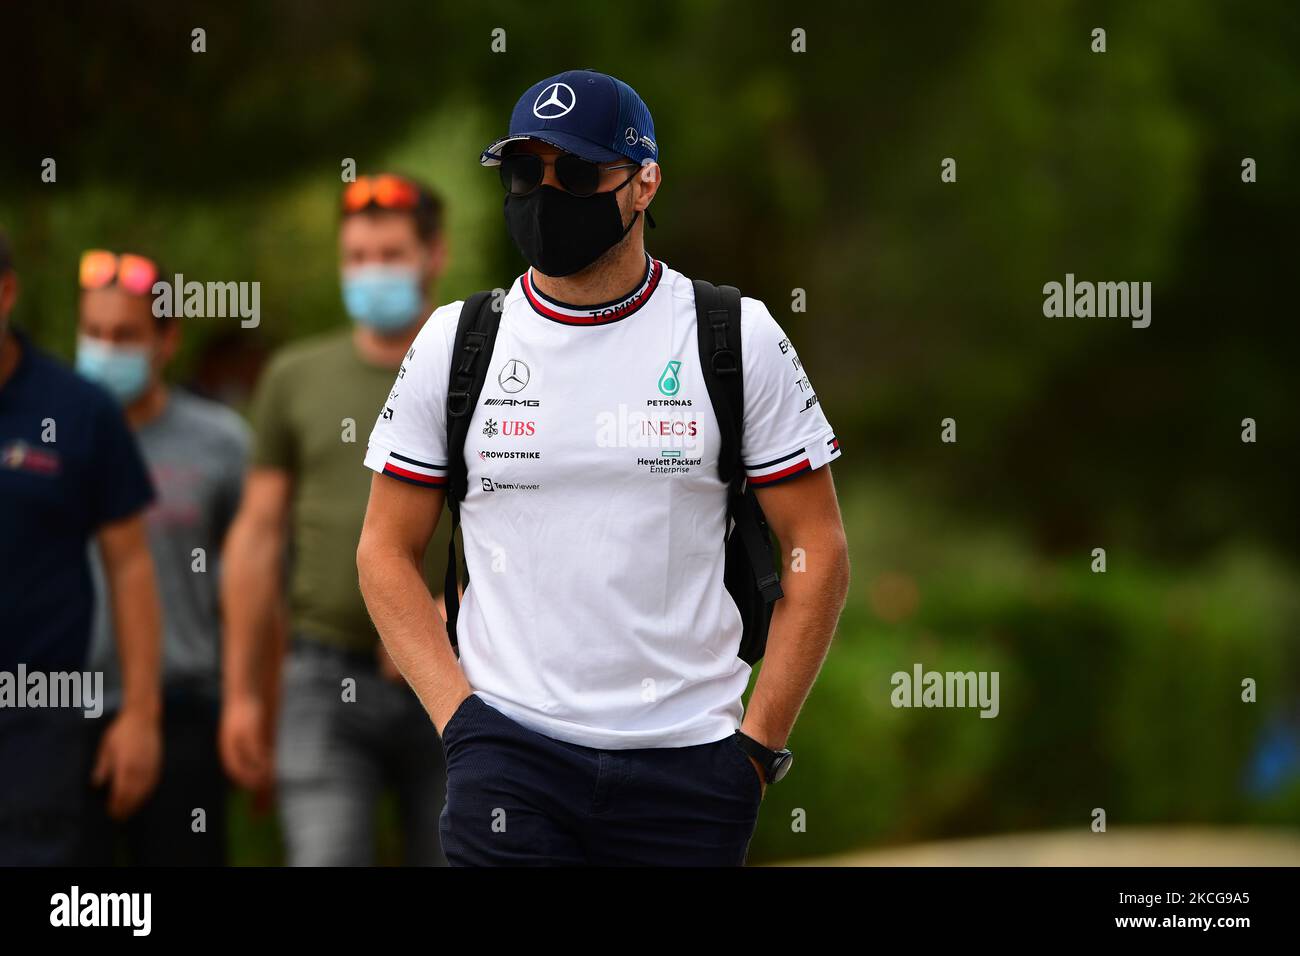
x=1162 y=846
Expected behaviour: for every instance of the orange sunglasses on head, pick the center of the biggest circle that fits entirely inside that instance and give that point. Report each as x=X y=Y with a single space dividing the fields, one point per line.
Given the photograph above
x=100 y=268
x=385 y=191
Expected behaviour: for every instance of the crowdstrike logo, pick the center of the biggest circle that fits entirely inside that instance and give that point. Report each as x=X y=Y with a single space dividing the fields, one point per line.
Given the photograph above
x=530 y=455
x=555 y=101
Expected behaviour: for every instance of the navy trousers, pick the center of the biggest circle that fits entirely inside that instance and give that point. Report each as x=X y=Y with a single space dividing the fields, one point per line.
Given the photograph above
x=516 y=797
x=161 y=833
x=43 y=775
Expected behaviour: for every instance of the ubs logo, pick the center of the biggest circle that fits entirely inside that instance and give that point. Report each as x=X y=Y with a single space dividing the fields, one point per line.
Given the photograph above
x=513 y=376
x=511 y=427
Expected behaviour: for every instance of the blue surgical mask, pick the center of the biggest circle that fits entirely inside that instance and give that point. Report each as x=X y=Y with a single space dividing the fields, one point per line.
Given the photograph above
x=122 y=369
x=384 y=298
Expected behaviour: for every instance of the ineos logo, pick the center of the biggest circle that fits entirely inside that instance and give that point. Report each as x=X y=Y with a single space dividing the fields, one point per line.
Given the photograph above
x=555 y=101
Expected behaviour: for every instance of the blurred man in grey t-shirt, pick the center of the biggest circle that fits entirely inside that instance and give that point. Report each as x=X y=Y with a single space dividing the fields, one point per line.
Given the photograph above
x=195 y=450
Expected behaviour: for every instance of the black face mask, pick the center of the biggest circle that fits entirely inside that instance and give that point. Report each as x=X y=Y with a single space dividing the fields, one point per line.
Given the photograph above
x=560 y=233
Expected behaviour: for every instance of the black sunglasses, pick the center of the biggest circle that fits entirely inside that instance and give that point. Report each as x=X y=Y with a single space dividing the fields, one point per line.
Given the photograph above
x=521 y=173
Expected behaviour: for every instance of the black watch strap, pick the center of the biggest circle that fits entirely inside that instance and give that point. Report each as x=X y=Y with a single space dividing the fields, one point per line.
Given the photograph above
x=774 y=762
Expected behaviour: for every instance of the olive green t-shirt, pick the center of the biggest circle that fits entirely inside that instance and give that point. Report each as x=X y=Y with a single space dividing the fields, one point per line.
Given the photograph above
x=312 y=416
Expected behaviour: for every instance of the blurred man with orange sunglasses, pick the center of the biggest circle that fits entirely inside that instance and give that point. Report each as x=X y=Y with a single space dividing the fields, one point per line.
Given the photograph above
x=70 y=474
x=348 y=727
x=195 y=450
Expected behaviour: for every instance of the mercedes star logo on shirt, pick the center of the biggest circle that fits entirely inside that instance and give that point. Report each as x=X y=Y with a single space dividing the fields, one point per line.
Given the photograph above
x=513 y=377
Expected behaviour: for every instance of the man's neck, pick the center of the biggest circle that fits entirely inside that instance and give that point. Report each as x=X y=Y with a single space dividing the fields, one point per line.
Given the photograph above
x=148 y=406
x=10 y=352
x=387 y=351
x=610 y=277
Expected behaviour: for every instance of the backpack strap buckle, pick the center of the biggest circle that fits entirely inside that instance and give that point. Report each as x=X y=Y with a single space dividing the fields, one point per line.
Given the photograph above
x=469 y=350
x=723 y=360
x=769 y=585
x=457 y=403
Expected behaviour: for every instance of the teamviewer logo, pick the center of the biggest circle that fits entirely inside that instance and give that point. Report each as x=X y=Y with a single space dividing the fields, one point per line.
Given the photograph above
x=487 y=484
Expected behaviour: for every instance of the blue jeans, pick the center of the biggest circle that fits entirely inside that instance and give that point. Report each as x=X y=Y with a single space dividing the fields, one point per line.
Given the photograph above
x=334 y=758
x=516 y=797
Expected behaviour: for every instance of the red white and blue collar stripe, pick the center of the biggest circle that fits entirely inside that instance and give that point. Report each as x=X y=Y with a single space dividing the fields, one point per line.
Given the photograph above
x=601 y=314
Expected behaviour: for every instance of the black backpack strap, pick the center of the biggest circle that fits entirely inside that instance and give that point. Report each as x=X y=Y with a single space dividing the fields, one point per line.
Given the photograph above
x=752 y=529
x=476 y=333
x=717 y=326
x=717 y=322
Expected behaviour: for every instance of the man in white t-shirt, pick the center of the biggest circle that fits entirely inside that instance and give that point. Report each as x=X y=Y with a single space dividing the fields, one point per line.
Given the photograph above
x=594 y=715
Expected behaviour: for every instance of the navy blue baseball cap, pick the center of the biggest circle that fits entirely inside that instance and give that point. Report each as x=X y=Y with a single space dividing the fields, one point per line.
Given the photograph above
x=590 y=114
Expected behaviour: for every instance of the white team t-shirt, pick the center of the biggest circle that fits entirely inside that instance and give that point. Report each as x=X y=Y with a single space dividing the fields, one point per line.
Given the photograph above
x=593 y=525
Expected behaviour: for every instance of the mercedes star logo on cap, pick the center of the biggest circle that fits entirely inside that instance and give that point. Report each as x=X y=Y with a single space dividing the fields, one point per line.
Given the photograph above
x=554 y=101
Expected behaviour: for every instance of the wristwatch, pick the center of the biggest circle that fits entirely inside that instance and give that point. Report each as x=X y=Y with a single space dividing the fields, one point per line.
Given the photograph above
x=775 y=763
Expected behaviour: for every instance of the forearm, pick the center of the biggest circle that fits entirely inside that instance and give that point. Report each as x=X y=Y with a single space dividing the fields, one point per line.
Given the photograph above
x=138 y=627
x=803 y=624
x=408 y=622
x=250 y=595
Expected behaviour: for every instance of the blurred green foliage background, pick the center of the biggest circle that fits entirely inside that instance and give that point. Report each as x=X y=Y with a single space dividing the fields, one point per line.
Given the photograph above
x=820 y=171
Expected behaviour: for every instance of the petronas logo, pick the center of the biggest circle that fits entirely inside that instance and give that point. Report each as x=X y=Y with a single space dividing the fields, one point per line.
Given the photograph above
x=669 y=383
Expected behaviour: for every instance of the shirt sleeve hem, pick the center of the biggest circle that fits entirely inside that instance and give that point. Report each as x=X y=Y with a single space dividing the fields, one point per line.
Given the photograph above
x=134 y=508
x=415 y=471
x=766 y=470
